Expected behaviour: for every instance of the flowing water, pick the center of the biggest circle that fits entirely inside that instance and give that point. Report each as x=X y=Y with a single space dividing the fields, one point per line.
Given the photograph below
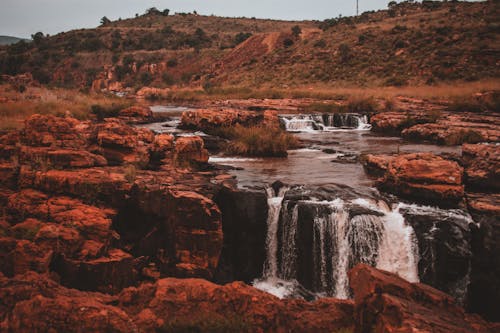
x=313 y=241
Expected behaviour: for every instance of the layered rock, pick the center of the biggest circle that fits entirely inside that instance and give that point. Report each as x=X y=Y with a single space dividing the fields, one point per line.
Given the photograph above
x=136 y=114
x=68 y=187
x=482 y=166
x=385 y=302
x=424 y=177
x=210 y=119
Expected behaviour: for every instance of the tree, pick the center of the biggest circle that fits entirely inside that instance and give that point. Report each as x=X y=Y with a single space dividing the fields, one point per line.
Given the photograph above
x=392 y=4
x=38 y=37
x=165 y=12
x=296 y=31
x=345 y=52
x=105 y=20
x=152 y=11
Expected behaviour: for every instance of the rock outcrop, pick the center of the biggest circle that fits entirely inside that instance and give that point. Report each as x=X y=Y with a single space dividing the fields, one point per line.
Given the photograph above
x=72 y=192
x=210 y=119
x=385 y=302
x=422 y=177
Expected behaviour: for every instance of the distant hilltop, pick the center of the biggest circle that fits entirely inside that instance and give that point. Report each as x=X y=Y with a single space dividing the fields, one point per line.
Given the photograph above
x=7 y=40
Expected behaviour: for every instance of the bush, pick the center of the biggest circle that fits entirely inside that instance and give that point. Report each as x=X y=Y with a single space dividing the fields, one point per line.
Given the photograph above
x=146 y=78
x=296 y=31
x=287 y=42
x=345 y=52
x=241 y=37
x=101 y=111
x=320 y=43
x=256 y=141
x=362 y=105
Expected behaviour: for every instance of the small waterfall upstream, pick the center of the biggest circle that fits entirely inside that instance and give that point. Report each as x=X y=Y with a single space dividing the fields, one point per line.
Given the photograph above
x=315 y=243
x=325 y=122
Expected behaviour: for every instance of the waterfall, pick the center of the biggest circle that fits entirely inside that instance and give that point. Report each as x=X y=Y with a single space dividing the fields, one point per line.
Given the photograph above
x=325 y=122
x=323 y=236
x=274 y=201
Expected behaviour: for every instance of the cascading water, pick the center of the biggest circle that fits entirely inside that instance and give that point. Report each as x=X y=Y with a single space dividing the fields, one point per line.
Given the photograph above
x=338 y=241
x=325 y=122
x=274 y=201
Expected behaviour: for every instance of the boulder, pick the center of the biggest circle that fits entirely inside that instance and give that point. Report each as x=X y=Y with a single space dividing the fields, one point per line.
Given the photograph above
x=190 y=151
x=109 y=273
x=199 y=305
x=426 y=178
x=21 y=256
x=376 y=165
x=136 y=114
x=482 y=166
x=385 y=302
x=51 y=131
x=46 y=158
x=34 y=303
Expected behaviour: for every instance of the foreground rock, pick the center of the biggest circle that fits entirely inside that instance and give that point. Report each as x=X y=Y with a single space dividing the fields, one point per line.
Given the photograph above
x=386 y=303
x=34 y=302
x=422 y=177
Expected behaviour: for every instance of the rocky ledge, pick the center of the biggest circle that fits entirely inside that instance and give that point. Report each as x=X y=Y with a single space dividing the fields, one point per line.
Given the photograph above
x=470 y=183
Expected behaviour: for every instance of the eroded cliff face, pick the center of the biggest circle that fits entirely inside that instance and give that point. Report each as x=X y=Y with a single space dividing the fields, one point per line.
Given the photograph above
x=82 y=199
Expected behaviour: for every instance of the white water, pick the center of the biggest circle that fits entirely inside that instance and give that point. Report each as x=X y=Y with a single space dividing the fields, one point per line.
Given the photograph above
x=327 y=122
x=339 y=242
x=274 y=201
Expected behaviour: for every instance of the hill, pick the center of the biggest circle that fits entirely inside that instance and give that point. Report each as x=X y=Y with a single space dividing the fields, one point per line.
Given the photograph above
x=408 y=44
x=8 y=40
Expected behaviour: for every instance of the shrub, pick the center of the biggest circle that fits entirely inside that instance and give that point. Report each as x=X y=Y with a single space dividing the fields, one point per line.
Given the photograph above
x=109 y=111
x=396 y=81
x=296 y=31
x=130 y=173
x=320 y=43
x=172 y=62
x=241 y=37
x=345 y=52
x=146 y=78
x=362 y=105
x=287 y=42
x=257 y=141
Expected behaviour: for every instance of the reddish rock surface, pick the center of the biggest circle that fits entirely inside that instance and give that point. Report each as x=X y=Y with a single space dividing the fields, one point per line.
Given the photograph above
x=385 y=302
x=424 y=177
x=189 y=150
x=209 y=119
x=482 y=166
x=136 y=114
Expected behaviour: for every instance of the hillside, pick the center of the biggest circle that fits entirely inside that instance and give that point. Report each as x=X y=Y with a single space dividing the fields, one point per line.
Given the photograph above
x=408 y=44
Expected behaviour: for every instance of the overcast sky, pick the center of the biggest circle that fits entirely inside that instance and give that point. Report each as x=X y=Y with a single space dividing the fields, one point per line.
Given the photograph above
x=21 y=18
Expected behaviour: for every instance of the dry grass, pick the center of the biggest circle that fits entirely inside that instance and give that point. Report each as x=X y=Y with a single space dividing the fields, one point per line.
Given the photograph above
x=257 y=141
x=50 y=102
x=323 y=92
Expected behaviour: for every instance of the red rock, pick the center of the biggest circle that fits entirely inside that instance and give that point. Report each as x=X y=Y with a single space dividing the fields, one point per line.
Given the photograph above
x=482 y=166
x=208 y=119
x=484 y=203
x=424 y=177
x=46 y=158
x=93 y=184
x=385 y=302
x=8 y=174
x=51 y=131
x=198 y=233
x=92 y=222
x=136 y=114
x=34 y=303
x=190 y=150
x=109 y=273
x=377 y=164
x=20 y=256
x=26 y=229
x=177 y=303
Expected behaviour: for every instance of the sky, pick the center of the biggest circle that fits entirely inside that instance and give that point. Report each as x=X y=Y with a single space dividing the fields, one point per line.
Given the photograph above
x=22 y=18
